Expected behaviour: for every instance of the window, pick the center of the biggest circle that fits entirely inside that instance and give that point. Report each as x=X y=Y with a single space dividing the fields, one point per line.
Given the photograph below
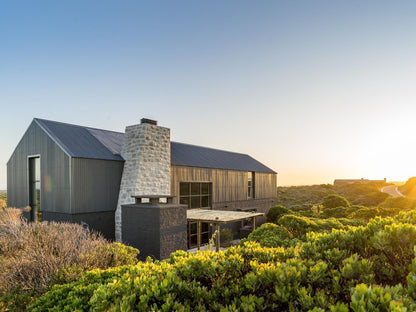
x=250 y=185
x=196 y=195
x=34 y=189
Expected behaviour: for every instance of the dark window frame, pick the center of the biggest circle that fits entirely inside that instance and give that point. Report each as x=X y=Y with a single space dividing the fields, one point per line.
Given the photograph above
x=195 y=197
x=35 y=187
x=251 y=185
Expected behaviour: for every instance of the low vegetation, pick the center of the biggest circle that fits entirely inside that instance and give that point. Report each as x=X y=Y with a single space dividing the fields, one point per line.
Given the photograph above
x=334 y=201
x=349 y=248
x=366 y=268
x=409 y=188
x=305 y=197
x=34 y=256
x=3 y=199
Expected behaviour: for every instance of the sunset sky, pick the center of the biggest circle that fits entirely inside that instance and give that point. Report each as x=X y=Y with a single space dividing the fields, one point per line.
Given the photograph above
x=316 y=90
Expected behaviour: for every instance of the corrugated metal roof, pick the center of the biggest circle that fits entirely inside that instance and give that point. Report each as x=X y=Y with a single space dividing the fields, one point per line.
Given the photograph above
x=85 y=142
x=198 y=156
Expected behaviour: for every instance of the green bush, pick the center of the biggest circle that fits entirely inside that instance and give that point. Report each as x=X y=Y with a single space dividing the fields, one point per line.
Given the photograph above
x=373 y=198
x=297 y=225
x=377 y=298
x=276 y=212
x=328 y=224
x=271 y=235
x=333 y=201
x=365 y=214
x=364 y=268
x=368 y=268
x=351 y=222
x=338 y=212
x=399 y=202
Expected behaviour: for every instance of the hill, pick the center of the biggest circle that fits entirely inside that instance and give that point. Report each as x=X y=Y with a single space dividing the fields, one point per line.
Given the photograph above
x=304 y=197
x=409 y=188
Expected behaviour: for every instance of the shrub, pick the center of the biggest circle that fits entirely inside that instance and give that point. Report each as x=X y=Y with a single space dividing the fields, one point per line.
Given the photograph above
x=330 y=272
x=35 y=255
x=338 y=212
x=333 y=201
x=366 y=214
x=328 y=224
x=296 y=225
x=271 y=235
x=276 y=212
x=373 y=198
x=378 y=298
x=399 y=202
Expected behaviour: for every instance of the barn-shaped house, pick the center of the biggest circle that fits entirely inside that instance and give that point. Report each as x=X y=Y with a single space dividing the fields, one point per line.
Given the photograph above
x=66 y=172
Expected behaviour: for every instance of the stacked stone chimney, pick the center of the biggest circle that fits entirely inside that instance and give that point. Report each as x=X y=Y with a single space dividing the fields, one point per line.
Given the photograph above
x=146 y=151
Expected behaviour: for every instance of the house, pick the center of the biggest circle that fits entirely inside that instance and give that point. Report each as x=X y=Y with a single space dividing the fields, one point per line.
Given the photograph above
x=361 y=181
x=73 y=173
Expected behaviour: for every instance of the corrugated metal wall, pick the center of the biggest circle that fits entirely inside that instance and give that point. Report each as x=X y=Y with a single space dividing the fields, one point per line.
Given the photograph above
x=227 y=185
x=55 y=183
x=95 y=184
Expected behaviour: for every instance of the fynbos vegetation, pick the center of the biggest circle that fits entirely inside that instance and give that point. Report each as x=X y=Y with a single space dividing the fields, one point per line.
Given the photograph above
x=33 y=256
x=326 y=253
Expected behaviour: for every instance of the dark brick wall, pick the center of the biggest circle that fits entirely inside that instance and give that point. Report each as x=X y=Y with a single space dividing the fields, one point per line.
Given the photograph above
x=156 y=230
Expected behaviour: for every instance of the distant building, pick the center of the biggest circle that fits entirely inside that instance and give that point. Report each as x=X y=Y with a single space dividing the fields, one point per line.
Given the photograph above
x=79 y=174
x=362 y=181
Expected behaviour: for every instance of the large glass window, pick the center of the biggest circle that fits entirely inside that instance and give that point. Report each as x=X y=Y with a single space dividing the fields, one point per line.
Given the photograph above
x=250 y=185
x=196 y=195
x=34 y=189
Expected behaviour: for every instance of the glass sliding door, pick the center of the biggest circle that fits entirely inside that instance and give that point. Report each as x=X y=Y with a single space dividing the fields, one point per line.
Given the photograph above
x=34 y=189
x=196 y=195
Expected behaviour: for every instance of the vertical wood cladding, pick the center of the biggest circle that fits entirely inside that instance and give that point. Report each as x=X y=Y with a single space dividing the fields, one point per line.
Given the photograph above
x=55 y=166
x=227 y=185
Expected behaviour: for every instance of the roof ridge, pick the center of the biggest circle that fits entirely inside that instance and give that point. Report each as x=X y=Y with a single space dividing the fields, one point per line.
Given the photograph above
x=74 y=125
x=212 y=148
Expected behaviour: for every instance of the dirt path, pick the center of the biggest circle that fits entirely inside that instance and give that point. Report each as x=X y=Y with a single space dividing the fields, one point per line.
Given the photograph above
x=392 y=190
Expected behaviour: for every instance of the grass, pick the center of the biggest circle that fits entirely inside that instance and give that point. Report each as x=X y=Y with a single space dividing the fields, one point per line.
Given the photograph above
x=3 y=199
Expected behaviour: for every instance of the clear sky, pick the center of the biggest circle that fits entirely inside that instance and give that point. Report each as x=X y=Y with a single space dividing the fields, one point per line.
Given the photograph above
x=316 y=90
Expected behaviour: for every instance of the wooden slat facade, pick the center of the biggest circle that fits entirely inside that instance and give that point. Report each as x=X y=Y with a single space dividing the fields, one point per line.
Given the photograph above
x=227 y=185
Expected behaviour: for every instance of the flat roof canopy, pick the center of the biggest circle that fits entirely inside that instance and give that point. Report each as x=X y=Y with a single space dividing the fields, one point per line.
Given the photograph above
x=219 y=216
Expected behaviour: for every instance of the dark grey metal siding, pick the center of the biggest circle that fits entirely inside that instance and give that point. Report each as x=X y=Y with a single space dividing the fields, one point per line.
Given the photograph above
x=95 y=185
x=55 y=167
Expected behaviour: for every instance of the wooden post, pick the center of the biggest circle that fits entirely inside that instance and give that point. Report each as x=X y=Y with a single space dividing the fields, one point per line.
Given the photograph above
x=253 y=225
x=217 y=248
x=198 y=234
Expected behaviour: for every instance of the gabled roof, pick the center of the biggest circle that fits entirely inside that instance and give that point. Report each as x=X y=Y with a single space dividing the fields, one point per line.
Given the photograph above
x=198 y=156
x=85 y=142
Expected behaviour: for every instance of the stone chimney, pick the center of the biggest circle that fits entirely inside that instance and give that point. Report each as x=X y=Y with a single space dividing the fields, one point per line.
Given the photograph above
x=146 y=151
